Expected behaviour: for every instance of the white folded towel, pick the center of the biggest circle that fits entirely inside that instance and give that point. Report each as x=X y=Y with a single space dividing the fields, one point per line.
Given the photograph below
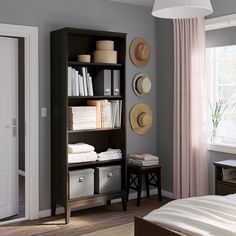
x=80 y=148
x=110 y=152
x=143 y=163
x=82 y=157
x=113 y=150
x=144 y=157
x=109 y=158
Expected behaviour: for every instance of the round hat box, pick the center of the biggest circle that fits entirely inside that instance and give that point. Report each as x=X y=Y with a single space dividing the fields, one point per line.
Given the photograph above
x=84 y=58
x=105 y=57
x=104 y=45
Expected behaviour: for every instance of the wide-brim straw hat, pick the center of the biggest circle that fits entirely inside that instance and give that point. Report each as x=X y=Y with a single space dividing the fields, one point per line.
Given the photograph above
x=141 y=84
x=141 y=118
x=139 y=52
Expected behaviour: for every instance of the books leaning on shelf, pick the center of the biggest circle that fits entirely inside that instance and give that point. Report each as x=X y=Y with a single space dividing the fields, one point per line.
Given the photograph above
x=108 y=113
x=82 y=117
x=228 y=174
x=79 y=84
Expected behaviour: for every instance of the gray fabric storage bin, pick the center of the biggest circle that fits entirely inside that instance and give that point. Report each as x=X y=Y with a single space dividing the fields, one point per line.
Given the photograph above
x=107 y=179
x=81 y=183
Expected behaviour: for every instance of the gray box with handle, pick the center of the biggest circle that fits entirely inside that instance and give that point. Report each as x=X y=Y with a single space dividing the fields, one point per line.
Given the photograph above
x=107 y=179
x=81 y=183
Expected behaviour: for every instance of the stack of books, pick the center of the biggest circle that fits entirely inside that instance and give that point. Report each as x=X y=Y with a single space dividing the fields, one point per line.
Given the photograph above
x=79 y=84
x=82 y=117
x=108 y=113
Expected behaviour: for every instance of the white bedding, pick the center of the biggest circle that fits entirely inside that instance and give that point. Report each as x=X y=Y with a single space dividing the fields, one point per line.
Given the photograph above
x=201 y=216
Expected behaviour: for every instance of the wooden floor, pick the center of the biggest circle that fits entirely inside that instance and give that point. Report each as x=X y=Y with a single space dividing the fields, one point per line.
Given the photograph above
x=84 y=221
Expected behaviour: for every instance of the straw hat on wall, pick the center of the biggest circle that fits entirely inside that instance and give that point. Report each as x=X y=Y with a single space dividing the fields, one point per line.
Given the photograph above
x=139 y=52
x=141 y=118
x=141 y=84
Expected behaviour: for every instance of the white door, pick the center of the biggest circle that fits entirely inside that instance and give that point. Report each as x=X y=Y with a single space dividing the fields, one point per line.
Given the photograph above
x=8 y=127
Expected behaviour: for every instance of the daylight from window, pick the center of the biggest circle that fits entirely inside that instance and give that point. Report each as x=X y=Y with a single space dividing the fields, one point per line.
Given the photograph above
x=221 y=77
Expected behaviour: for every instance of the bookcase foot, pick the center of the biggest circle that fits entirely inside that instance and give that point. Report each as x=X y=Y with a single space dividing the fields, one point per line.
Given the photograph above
x=53 y=209
x=68 y=213
x=124 y=203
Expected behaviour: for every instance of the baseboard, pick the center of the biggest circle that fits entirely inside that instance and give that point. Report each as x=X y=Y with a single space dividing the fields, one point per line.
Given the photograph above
x=132 y=195
x=45 y=213
x=21 y=172
x=168 y=194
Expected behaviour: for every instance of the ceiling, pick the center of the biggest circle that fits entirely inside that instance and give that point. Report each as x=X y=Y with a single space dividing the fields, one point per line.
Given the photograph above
x=148 y=3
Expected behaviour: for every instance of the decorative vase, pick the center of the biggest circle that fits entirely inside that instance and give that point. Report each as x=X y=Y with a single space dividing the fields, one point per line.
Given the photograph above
x=213 y=135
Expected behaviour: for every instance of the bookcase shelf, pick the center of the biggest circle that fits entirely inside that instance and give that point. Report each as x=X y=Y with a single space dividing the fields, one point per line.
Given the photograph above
x=94 y=130
x=97 y=198
x=95 y=97
x=91 y=64
x=66 y=45
x=94 y=163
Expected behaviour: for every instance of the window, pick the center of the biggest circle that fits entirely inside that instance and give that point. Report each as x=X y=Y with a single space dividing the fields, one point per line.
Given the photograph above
x=221 y=76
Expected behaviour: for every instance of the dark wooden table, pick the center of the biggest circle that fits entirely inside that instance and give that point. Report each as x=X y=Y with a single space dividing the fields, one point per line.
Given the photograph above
x=152 y=176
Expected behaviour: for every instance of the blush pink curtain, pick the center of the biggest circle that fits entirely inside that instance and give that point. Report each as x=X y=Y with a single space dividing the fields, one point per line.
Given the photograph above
x=190 y=110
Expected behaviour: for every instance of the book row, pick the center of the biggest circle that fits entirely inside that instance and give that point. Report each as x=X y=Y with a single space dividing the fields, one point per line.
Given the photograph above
x=97 y=114
x=81 y=83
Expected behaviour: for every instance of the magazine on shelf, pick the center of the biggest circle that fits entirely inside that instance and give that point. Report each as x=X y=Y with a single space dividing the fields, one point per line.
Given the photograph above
x=79 y=83
x=84 y=74
x=69 y=82
x=81 y=86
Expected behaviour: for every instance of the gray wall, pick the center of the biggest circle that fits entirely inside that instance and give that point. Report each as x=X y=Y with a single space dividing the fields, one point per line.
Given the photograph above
x=222 y=8
x=165 y=68
x=50 y=15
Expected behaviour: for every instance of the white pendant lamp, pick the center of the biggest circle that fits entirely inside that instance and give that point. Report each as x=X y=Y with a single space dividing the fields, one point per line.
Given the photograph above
x=180 y=9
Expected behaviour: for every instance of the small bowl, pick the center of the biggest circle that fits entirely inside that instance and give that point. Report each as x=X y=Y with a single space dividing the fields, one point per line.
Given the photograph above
x=84 y=58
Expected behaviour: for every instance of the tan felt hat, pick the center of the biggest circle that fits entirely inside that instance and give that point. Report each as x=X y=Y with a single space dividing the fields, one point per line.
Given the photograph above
x=141 y=118
x=141 y=84
x=139 y=52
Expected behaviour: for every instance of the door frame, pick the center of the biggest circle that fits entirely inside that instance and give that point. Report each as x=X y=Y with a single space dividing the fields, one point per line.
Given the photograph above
x=30 y=35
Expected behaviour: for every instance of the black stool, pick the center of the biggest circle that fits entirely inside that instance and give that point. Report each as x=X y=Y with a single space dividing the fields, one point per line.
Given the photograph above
x=152 y=177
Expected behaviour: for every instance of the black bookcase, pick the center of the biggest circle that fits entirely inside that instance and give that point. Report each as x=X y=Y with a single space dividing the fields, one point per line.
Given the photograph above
x=66 y=44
